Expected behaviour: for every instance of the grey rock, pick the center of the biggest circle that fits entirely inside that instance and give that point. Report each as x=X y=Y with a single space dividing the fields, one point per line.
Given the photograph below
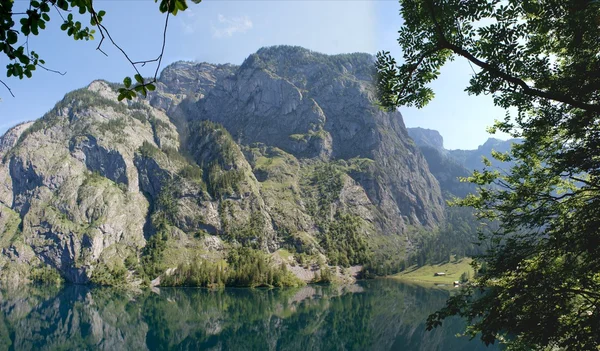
x=108 y=163
x=286 y=96
x=427 y=137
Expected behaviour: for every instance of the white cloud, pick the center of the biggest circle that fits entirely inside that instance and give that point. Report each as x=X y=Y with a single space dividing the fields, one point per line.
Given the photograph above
x=228 y=26
x=189 y=22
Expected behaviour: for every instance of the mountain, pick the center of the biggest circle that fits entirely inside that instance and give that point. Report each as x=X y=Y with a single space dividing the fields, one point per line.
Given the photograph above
x=472 y=159
x=427 y=138
x=444 y=167
x=238 y=175
x=449 y=165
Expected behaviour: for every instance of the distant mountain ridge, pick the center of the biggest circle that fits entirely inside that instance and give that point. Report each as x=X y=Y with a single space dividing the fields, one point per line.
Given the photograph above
x=471 y=159
x=427 y=137
x=448 y=165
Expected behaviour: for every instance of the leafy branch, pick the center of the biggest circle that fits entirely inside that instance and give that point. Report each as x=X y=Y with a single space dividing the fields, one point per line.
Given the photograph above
x=22 y=62
x=423 y=68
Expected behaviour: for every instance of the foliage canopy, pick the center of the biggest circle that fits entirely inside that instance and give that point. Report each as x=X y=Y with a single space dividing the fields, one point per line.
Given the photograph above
x=539 y=60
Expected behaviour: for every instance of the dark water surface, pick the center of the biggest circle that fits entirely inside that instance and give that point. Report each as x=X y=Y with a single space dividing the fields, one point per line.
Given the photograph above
x=371 y=315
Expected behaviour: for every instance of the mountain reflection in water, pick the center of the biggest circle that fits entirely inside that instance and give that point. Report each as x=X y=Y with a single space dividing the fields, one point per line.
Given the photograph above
x=371 y=315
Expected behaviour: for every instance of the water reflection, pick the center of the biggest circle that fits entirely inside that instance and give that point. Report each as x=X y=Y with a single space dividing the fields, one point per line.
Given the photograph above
x=372 y=315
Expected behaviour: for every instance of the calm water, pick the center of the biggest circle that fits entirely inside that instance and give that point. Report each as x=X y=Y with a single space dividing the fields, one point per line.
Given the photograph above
x=371 y=315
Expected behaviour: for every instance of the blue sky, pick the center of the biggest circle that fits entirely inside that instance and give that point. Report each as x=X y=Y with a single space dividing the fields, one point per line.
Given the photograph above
x=221 y=31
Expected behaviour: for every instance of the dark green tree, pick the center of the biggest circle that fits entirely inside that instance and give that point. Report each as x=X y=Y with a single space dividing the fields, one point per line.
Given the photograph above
x=539 y=59
x=17 y=26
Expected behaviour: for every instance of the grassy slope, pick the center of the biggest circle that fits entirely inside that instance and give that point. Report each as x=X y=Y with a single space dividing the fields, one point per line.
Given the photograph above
x=425 y=274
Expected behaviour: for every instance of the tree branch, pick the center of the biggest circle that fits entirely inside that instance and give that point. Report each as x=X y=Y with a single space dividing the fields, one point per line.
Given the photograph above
x=528 y=90
x=582 y=292
x=162 y=51
x=143 y=85
x=7 y=87
x=590 y=184
x=58 y=10
x=519 y=82
x=103 y=30
x=414 y=67
x=51 y=70
x=38 y=64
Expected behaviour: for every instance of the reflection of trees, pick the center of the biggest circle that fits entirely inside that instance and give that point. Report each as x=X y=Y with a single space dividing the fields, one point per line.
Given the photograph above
x=398 y=323
x=375 y=315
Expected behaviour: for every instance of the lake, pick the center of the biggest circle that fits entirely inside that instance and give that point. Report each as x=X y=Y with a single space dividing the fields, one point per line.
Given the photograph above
x=378 y=314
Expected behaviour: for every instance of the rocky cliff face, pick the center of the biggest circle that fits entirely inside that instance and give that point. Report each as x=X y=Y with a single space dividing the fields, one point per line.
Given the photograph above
x=286 y=153
x=427 y=138
x=442 y=164
x=315 y=106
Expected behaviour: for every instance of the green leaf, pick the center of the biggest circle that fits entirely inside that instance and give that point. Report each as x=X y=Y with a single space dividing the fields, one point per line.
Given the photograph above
x=127 y=82
x=151 y=87
x=63 y=5
x=24 y=59
x=164 y=6
x=139 y=78
x=181 y=5
x=12 y=37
